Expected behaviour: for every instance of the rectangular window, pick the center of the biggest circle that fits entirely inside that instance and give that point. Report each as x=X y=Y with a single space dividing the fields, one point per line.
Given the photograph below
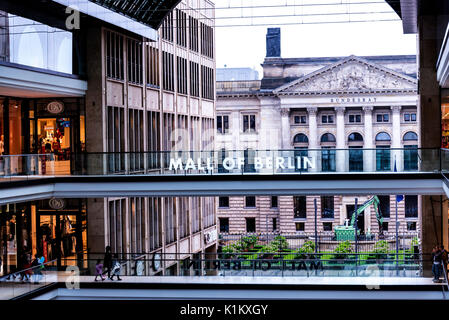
x=170 y=220
x=168 y=71
x=410 y=157
x=355 y=118
x=222 y=124
x=153 y=67
x=135 y=139
x=196 y=208
x=327 y=226
x=194 y=79
x=223 y=202
x=383 y=158
x=250 y=202
x=249 y=123
x=385 y=226
x=193 y=33
x=328 y=118
x=182 y=75
x=249 y=156
x=114 y=56
x=116 y=139
x=300 y=226
x=274 y=201
x=327 y=207
x=207 y=40
x=411 y=206
x=384 y=206
x=167 y=27
x=274 y=224
x=328 y=159
x=300 y=207
x=224 y=224
x=300 y=119
x=181 y=28
x=355 y=159
x=134 y=55
x=411 y=226
x=153 y=139
x=155 y=217
x=409 y=117
x=207 y=83
x=250 y=224
x=383 y=117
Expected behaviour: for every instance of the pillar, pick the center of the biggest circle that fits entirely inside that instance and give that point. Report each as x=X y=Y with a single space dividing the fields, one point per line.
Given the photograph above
x=313 y=137
x=397 y=155
x=369 y=155
x=285 y=125
x=341 y=153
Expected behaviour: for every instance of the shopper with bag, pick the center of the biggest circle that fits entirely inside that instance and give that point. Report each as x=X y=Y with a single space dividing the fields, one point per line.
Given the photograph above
x=117 y=267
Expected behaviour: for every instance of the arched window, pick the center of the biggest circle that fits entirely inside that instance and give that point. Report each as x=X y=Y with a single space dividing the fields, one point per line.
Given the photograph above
x=410 y=136
x=328 y=137
x=383 y=136
x=300 y=138
x=355 y=137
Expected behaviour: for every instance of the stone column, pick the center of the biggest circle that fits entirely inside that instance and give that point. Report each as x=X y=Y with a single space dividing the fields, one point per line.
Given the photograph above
x=313 y=137
x=341 y=153
x=369 y=156
x=396 y=138
x=285 y=124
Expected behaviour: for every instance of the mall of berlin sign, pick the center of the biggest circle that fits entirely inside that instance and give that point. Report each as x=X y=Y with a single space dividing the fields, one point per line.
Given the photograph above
x=231 y=163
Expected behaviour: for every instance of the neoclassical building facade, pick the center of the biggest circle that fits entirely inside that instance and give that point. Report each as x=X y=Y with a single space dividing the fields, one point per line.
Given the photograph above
x=349 y=114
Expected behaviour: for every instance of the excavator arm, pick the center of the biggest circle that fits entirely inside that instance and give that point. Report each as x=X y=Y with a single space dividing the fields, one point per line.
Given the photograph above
x=375 y=201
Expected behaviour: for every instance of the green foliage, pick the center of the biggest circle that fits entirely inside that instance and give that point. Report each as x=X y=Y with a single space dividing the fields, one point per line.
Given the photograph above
x=280 y=243
x=306 y=250
x=381 y=246
x=415 y=241
x=342 y=249
x=228 y=248
x=248 y=242
x=269 y=248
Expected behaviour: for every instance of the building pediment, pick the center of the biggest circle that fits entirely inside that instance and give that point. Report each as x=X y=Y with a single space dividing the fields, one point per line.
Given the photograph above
x=351 y=75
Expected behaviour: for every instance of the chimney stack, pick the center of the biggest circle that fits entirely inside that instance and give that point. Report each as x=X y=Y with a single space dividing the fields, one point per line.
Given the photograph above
x=274 y=42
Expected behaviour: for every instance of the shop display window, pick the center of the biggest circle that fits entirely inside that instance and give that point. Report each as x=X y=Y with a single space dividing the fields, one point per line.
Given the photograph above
x=445 y=123
x=54 y=137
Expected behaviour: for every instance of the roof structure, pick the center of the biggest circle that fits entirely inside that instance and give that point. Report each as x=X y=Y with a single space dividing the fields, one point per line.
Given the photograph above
x=148 y=12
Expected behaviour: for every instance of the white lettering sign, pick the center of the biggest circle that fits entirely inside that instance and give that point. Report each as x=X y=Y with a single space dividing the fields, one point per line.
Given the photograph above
x=258 y=163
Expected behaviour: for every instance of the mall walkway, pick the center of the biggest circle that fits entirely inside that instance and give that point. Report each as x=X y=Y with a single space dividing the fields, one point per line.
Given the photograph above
x=61 y=285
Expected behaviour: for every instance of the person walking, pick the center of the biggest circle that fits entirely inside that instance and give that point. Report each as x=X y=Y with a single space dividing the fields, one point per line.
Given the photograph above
x=117 y=267
x=99 y=270
x=436 y=263
x=107 y=262
x=443 y=260
x=36 y=268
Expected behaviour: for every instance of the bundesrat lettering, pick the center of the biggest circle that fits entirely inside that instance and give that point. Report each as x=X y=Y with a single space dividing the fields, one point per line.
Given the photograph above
x=238 y=163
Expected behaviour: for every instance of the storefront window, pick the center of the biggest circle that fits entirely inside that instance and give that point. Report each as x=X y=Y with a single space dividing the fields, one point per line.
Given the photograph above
x=445 y=123
x=82 y=134
x=15 y=127
x=54 y=137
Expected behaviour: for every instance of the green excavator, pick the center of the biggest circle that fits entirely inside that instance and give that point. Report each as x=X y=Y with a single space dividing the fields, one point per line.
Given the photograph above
x=347 y=232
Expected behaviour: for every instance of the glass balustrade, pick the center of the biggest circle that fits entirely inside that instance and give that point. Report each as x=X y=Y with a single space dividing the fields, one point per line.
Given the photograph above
x=228 y=162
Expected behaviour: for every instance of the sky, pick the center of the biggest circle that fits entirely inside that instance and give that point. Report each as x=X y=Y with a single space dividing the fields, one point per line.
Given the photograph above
x=309 y=29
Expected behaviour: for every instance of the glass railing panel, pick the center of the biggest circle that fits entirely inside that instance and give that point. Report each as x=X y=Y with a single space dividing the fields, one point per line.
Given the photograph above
x=326 y=160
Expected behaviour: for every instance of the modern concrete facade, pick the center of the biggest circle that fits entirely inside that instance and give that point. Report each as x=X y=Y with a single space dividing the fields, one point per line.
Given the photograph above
x=122 y=94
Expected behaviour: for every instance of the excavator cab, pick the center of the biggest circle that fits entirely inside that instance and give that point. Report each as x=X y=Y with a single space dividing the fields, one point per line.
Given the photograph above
x=347 y=231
